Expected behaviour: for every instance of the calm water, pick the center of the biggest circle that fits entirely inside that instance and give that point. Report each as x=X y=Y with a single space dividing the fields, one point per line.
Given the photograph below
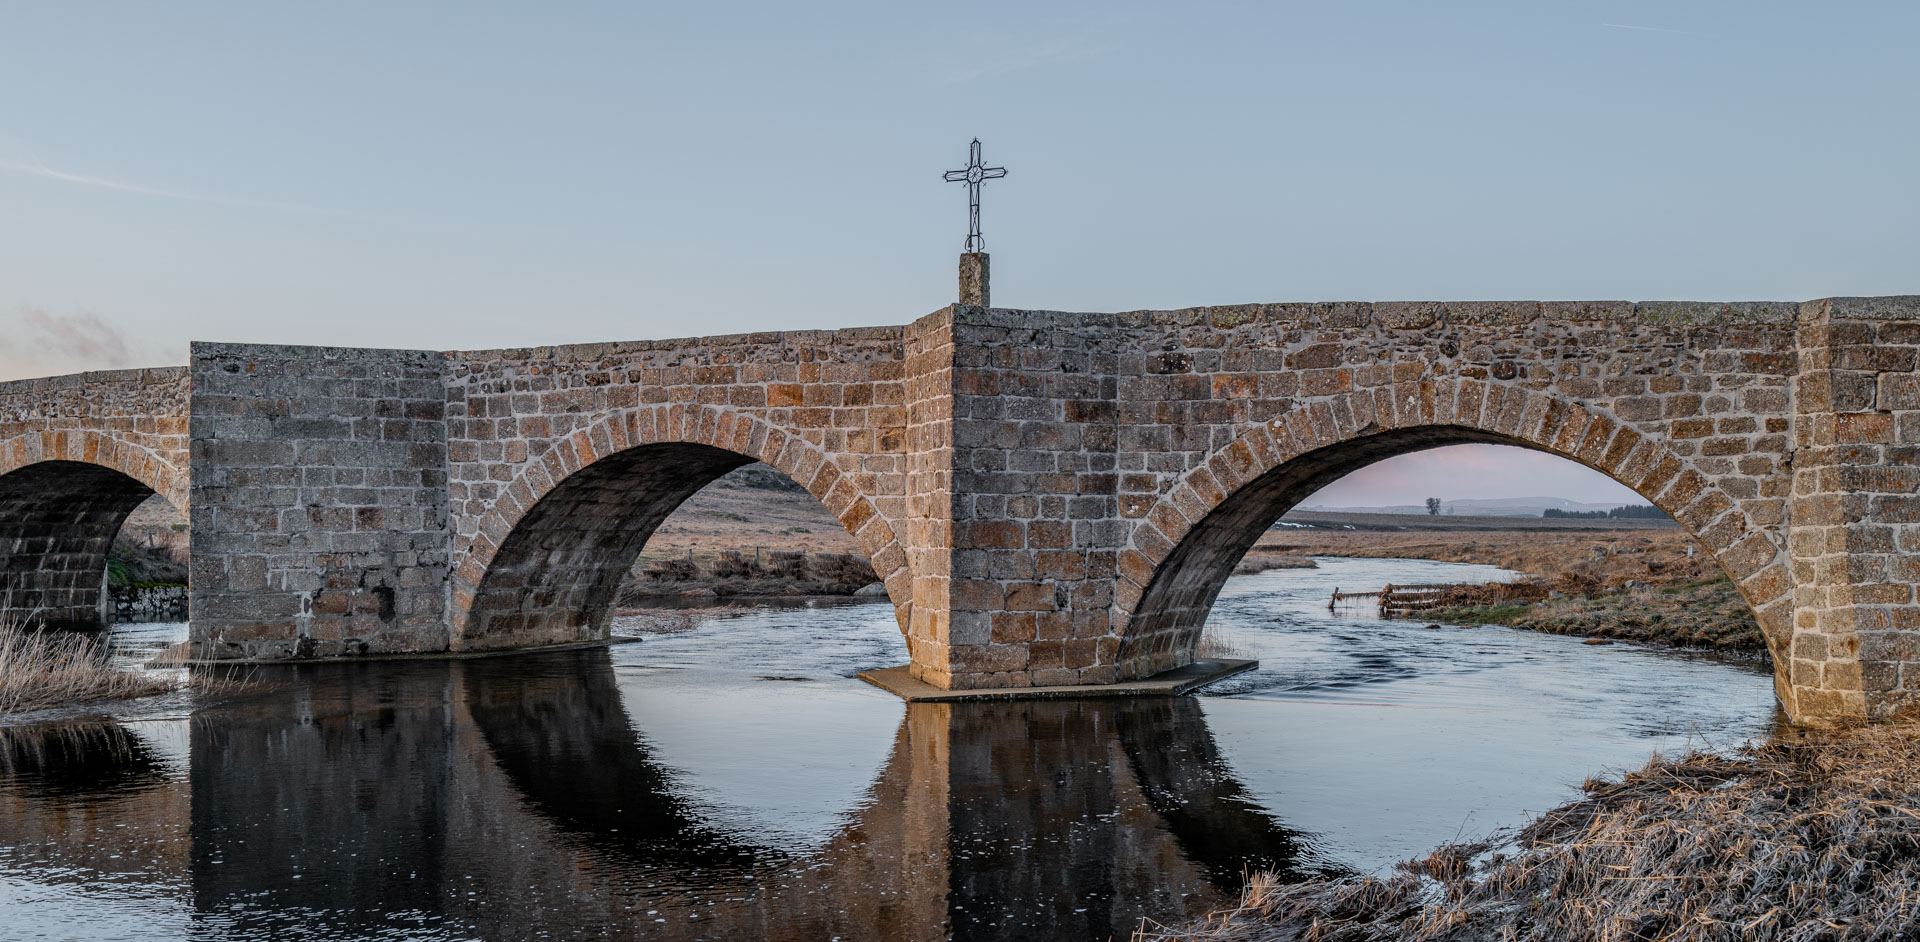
x=736 y=781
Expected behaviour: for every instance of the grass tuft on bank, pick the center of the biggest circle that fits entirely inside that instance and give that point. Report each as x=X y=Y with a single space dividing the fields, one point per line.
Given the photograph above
x=1808 y=836
x=43 y=669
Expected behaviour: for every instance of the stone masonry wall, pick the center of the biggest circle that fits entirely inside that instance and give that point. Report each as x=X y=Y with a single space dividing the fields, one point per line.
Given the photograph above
x=319 y=507
x=1036 y=527
x=927 y=527
x=1856 y=515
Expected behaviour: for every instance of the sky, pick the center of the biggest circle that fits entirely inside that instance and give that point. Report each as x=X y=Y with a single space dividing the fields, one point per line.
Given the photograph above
x=481 y=175
x=1471 y=472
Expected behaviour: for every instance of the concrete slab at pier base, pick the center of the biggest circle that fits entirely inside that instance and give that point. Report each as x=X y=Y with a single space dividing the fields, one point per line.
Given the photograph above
x=899 y=682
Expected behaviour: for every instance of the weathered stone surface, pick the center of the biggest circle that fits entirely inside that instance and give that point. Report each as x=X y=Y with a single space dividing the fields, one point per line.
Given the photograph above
x=1050 y=498
x=319 y=509
x=974 y=279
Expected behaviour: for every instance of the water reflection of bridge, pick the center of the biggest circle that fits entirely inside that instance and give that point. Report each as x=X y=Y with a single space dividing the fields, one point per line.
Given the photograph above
x=514 y=799
x=1035 y=817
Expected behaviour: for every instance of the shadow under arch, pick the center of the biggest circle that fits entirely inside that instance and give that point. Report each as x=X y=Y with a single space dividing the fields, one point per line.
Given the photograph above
x=555 y=576
x=58 y=520
x=1210 y=535
x=97 y=449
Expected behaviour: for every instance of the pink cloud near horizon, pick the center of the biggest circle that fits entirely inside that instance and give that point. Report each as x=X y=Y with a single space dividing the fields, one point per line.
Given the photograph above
x=39 y=343
x=1468 y=472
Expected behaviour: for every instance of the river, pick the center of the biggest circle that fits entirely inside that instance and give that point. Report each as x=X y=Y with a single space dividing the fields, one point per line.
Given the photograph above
x=735 y=781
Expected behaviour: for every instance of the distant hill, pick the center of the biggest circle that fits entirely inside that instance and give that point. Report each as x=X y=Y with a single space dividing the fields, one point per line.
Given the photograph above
x=1483 y=507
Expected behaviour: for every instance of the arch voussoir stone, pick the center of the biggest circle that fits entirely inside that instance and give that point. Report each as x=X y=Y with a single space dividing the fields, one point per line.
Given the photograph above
x=100 y=449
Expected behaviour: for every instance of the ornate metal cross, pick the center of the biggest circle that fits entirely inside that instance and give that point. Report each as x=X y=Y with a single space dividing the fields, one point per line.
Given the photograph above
x=972 y=176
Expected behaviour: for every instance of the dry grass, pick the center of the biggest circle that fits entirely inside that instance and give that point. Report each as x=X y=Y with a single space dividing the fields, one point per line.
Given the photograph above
x=42 y=669
x=1600 y=558
x=740 y=510
x=173 y=655
x=1810 y=836
x=1261 y=559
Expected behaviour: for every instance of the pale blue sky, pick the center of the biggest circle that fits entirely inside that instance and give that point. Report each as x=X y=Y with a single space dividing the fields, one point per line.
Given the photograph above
x=480 y=175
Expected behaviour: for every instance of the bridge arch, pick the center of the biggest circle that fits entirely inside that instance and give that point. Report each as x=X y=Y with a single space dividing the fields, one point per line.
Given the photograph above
x=1188 y=539
x=63 y=498
x=545 y=561
x=101 y=449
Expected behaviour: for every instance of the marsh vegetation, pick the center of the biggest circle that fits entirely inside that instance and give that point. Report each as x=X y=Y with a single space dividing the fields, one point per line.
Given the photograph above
x=43 y=669
x=1809 y=835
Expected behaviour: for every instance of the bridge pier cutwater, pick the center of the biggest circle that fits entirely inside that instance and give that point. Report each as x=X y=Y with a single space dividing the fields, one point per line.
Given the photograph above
x=1051 y=498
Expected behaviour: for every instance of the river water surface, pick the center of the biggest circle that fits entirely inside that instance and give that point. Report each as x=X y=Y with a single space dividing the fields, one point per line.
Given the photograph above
x=735 y=781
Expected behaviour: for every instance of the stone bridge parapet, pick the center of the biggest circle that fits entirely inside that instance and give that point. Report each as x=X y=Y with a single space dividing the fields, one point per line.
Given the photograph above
x=1051 y=498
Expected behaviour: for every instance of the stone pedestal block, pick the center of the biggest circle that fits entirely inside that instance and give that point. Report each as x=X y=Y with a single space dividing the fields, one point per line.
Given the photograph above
x=974 y=277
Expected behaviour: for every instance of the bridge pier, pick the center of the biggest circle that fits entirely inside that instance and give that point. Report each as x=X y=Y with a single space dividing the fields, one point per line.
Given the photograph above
x=1050 y=498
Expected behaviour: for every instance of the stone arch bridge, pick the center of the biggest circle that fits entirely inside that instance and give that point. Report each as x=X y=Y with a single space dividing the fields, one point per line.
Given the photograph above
x=1051 y=498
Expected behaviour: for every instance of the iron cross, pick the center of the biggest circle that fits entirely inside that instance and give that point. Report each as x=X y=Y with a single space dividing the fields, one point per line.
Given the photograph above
x=972 y=176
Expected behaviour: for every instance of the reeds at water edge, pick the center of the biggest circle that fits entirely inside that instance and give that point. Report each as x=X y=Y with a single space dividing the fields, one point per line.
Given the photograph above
x=40 y=669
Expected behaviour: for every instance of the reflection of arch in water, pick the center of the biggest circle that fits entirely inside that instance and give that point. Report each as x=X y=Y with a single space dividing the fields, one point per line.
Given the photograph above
x=1191 y=787
x=1046 y=821
x=987 y=818
x=555 y=726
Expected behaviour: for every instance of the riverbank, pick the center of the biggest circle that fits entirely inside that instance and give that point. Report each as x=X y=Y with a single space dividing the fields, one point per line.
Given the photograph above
x=753 y=574
x=1707 y=613
x=1596 y=558
x=1261 y=560
x=1809 y=835
x=1639 y=585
